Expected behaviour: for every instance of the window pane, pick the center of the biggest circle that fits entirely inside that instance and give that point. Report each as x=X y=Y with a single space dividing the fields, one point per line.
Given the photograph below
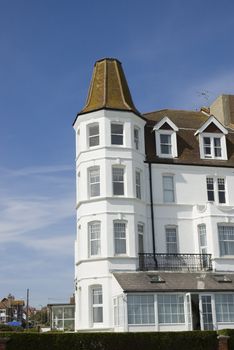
x=97 y=315
x=118 y=181
x=217 y=147
x=97 y=304
x=136 y=138
x=116 y=134
x=210 y=188
x=141 y=309
x=202 y=235
x=171 y=308
x=138 y=184
x=171 y=240
x=221 y=191
x=120 y=237
x=168 y=189
x=165 y=144
x=94 y=182
x=94 y=237
x=226 y=240
x=140 y=229
x=69 y=312
x=94 y=135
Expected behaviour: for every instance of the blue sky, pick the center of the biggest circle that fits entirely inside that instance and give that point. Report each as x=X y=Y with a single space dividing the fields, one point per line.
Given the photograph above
x=172 y=52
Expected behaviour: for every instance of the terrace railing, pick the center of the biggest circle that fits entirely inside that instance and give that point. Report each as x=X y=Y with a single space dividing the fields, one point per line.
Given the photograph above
x=175 y=262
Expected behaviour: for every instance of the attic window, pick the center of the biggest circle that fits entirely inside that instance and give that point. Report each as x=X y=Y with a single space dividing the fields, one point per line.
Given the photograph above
x=156 y=279
x=212 y=139
x=222 y=279
x=166 y=142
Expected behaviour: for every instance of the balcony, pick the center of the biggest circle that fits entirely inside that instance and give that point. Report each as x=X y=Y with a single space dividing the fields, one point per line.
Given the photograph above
x=175 y=262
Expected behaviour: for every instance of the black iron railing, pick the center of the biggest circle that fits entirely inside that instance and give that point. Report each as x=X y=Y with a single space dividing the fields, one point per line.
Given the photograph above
x=175 y=262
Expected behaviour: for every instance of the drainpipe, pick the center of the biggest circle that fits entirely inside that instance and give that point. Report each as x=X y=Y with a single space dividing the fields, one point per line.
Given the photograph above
x=152 y=212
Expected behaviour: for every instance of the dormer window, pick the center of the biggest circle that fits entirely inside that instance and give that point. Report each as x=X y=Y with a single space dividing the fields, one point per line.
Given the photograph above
x=212 y=147
x=166 y=142
x=212 y=140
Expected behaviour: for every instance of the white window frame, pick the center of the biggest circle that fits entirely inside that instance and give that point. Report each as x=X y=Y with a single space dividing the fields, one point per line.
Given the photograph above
x=226 y=241
x=96 y=288
x=202 y=237
x=172 y=134
x=217 y=181
x=160 y=314
x=167 y=189
x=91 y=137
x=94 y=183
x=140 y=236
x=226 y=315
x=138 y=311
x=212 y=303
x=94 y=240
x=213 y=136
x=119 y=238
x=138 y=176
x=115 y=134
x=136 y=140
x=170 y=244
x=119 y=181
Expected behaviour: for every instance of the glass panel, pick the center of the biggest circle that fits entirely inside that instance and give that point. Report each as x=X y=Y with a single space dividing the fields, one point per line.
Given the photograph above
x=97 y=304
x=69 y=312
x=207 y=312
x=141 y=309
x=95 y=238
x=217 y=147
x=94 y=135
x=116 y=134
x=69 y=325
x=207 y=146
x=221 y=190
x=171 y=240
x=97 y=314
x=136 y=138
x=58 y=312
x=120 y=237
x=168 y=189
x=165 y=144
x=94 y=181
x=226 y=240
x=171 y=308
x=210 y=188
x=118 y=181
x=138 y=184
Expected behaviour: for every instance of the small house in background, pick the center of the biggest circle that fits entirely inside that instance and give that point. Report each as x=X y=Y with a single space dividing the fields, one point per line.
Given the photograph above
x=62 y=316
x=11 y=309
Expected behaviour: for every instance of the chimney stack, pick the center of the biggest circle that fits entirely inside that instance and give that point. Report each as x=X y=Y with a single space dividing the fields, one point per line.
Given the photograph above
x=223 y=109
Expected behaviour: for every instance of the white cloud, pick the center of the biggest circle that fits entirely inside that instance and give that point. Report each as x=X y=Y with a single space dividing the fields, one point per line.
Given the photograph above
x=30 y=202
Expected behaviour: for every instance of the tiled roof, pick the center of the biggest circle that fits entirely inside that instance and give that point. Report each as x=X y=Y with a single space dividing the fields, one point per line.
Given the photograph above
x=109 y=88
x=188 y=144
x=142 y=282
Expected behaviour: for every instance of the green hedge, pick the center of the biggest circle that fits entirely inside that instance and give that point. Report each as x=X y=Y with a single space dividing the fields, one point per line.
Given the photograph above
x=7 y=328
x=197 y=340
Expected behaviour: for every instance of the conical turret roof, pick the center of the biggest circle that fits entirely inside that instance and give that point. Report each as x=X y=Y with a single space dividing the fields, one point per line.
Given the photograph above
x=109 y=88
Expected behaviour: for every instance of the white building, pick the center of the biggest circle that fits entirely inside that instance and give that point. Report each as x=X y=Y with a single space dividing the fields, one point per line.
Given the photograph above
x=155 y=212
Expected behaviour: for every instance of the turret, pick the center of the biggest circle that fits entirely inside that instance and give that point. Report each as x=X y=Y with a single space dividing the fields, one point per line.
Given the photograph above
x=110 y=197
